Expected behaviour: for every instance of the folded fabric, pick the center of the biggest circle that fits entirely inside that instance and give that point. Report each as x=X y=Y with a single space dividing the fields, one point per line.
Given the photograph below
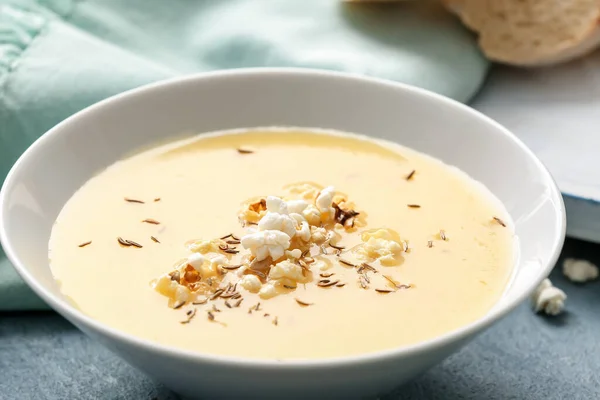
x=59 y=56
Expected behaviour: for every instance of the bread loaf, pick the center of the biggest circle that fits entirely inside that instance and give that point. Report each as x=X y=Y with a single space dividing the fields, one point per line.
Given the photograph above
x=531 y=32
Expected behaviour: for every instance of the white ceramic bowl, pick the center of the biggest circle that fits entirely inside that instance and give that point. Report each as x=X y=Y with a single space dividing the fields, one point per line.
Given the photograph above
x=64 y=158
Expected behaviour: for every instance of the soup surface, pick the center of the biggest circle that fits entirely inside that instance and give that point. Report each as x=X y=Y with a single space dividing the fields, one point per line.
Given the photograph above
x=400 y=247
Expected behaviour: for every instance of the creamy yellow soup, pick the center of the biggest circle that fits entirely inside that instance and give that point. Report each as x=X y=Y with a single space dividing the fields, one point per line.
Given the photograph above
x=441 y=247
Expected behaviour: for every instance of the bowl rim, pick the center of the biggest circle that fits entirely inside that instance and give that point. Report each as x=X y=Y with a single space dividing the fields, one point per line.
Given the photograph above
x=73 y=314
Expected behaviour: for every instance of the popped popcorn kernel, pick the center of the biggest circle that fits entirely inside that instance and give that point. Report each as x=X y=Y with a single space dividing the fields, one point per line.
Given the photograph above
x=294 y=254
x=165 y=286
x=579 y=270
x=324 y=203
x=346 y=215
x=251 y=283
x=548 y=298
x=286 y=270
x=253 y=210
x=212 y=268
x=241 y=271
x=278 y=222
x=267 y=291
x=304 y=232
x=204 y=246
x=381 y=245
x=299 y=218
x=267 y=243
x=319 y=235
x=196 y=260
x=276 y=205
x=312 y=215
x=206 y=266
x=339 y=198
x=182 y=294
x=219 y=260
x=297 y=206
x=171 y=288
x=383 y=233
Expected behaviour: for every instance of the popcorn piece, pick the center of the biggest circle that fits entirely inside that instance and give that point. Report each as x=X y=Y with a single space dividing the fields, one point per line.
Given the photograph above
x=279 y=219
x=345 y=213
x=165 y=286
x=304 y=232
x=549 y=299
x=206 y=266
x=312 y=215
x=294 y=254
x=296 y=206
x=253 y=210
x=278 y=222
x=579 y=270
x=299 y=218
x=240 y=271
x=386 y=234
x=319 y=235
x=212 y=268
x=286 y=270
x=182 y=294
x=324 y=200
x=276 y=205
x=267 y=291
x=171 y=289
x=190 y=276
x=196 y=260
x=204 y=246
x=386 y=252
x=382 y=245
x=267 y=243
x=219 y=260
x=251 y=283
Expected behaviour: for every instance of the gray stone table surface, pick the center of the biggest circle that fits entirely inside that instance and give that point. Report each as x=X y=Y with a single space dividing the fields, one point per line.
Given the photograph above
x=525 y=356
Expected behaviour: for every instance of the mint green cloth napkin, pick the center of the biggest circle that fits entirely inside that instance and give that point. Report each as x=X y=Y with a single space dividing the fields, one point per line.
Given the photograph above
x=59 y=56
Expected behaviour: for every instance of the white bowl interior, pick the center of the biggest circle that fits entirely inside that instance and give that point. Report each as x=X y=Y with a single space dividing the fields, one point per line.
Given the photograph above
x=59 y=163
